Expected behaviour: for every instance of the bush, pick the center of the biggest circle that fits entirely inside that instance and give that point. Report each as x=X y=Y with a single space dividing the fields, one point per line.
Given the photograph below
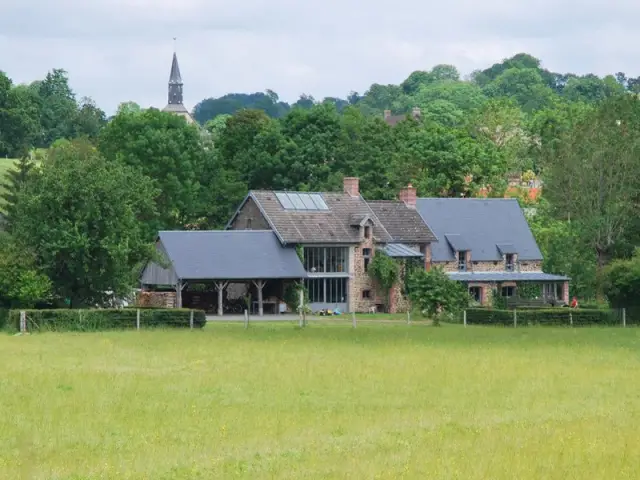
x=540 y=316
x=106 y=319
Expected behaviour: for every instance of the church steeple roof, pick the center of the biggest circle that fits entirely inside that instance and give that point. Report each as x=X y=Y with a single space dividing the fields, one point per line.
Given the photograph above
x=175 y=78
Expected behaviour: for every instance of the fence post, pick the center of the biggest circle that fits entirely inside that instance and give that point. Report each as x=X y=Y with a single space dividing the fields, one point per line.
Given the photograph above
x=624 y=317
x=246 y=318
x=570 y=318
x=23 y=321
x=191 y=320
x=464 y=317
x=515 y=318
x=353 y=319
x=408 y=318
x=138 y=319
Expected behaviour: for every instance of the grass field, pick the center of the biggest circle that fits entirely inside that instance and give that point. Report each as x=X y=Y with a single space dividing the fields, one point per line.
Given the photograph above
x=275 y=401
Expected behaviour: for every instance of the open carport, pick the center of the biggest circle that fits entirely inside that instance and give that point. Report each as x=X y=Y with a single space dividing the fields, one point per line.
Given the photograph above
x=253 y=258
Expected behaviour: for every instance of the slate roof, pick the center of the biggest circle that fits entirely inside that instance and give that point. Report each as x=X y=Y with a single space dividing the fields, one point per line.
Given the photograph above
x=484 y=224
x=404 y=224
x=505 y=277
x=230 y=255
x=319 y=226
x=400 y=250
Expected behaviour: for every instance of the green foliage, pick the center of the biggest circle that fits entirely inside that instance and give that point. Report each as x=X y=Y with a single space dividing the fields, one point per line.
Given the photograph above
x=536 y=316
x=106 y=319
x=15 y=179
x=385 y=270
x=82 y=217
x=497 y=300
x=432 y=292
x=292 y=296
x=622 y=282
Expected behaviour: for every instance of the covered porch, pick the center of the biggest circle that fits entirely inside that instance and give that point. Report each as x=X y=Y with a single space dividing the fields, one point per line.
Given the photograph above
x=225 y=272
x=518 y=288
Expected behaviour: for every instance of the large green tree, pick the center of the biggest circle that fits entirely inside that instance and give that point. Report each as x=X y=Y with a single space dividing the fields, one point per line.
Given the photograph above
x=83 y=217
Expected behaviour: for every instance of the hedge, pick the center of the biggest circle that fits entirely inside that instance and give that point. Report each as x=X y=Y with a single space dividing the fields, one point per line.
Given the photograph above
x=106 y=319
x=549 y=316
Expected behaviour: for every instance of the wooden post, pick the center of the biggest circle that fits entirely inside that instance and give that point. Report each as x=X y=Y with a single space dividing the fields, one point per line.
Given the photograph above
x=408 y=317
x=464 y=317
x=353 y=319
x=138 y=319
x=259 y=286
x=246 y=318
x=515 y=318
x=571 y=318
x=23 y=321
x=191 y=320
x=220 y=286
x=301 y=320
x=179 y=294
x=624 y=317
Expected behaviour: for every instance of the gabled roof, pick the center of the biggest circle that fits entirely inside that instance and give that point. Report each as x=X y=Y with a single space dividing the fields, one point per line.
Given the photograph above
x=400 y=250
x=229 y=255
x=404 y=224
x=318 y=226
x=484 y=224
x=457 y=242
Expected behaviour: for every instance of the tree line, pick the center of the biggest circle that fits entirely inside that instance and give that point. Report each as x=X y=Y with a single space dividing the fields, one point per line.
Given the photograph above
x=80 y=221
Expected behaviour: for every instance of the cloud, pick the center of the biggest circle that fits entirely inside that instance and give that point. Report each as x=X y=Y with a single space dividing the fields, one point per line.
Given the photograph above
x=120 y=50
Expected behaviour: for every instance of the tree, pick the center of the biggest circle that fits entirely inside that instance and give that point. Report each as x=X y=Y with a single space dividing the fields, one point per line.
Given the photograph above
x=165 y=148
x=386 y=271
x=82 y=216
x=59 y=107
x=21 y=284
x=621 y=283
x=19 y=118
x=594 y=178
x=525 y=85
x=89 y=119
x=434 y=293
x=15 y=179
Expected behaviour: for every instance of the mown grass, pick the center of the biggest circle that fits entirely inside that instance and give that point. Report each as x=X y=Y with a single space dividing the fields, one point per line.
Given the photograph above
x=327 y=401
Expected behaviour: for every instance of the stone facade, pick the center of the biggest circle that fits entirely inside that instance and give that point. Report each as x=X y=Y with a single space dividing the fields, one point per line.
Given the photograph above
x=250 y=218
x=360 y=280
x=497 y=266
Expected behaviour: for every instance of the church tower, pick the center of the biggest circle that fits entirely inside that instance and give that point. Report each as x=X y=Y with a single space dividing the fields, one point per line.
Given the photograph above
x=175 y=104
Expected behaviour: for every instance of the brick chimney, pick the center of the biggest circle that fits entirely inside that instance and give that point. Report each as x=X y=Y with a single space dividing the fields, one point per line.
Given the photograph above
x=408 y=196
x=387 y=114
x=352 y=186
x=416 y=113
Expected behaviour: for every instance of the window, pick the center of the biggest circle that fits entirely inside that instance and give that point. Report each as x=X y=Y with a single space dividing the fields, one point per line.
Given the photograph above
x=248 y=227
x=366 y=294
x=476 y=294
x=366 y=256
x=367 y=231
x=325 y=259
x=327 y=290
x=509 y=260
x=462 y=261
x=301 y=201
x=508 y=291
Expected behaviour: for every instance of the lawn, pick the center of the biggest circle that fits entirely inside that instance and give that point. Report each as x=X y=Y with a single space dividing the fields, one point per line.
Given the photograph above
x=328 y=401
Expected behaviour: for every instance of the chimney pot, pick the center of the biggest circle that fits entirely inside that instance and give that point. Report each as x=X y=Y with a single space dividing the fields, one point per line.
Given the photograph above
x=416 y=112
x=387 y=114
x=351 y=186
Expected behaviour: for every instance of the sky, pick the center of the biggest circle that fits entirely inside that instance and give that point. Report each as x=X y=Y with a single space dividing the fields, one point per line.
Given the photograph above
x=120 y=50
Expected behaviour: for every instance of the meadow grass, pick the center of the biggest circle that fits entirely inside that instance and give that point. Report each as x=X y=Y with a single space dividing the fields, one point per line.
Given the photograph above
x=327 y=401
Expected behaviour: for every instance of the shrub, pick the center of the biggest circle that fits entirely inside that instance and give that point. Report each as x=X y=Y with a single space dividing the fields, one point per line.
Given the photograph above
x=105 y=319
x=540 y=316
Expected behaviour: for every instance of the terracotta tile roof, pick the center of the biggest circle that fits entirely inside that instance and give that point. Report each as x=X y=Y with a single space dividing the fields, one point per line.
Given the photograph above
x=404 y=224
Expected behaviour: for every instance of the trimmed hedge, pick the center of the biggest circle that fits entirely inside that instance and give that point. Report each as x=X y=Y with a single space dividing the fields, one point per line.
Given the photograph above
x=106 y=319
x=548 y=316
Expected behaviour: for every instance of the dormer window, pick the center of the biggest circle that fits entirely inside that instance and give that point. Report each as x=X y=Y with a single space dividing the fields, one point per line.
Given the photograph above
x=509 y=262
x=462 y=261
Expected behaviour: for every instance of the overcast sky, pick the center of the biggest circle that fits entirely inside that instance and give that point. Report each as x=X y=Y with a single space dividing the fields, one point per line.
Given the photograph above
x=120 y=50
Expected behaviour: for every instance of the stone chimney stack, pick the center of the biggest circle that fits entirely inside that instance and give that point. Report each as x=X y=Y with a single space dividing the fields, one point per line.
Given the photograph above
x=416 y=113
x=387 y=114
x=352 y=186
x=408 y=196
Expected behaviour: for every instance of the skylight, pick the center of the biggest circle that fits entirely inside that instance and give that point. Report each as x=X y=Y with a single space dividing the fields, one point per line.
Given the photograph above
x=301 y=201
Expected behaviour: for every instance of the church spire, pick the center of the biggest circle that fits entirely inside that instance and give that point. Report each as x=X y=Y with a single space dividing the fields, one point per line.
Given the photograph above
x=175 y=82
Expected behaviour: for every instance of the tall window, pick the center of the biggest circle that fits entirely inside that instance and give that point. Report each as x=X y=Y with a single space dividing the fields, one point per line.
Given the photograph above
x=366 y=256
x=325 y=259
x=367 y=231
x=248 y=224
x=508 y=291
x=327 y=290
x=462 y=261
x=476 y=294
x=510 y=264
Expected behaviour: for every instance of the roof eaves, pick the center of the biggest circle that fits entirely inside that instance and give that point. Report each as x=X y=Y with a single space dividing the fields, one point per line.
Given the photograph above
x=251 y=196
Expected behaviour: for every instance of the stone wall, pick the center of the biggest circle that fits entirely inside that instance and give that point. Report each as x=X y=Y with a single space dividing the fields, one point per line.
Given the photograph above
x=360 y=280
x=250 y=218
x=498 y=266
x=156 y=299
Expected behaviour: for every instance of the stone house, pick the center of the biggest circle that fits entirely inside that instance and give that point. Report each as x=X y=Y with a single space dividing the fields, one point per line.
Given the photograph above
x=337 y=234
x=487 y=243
